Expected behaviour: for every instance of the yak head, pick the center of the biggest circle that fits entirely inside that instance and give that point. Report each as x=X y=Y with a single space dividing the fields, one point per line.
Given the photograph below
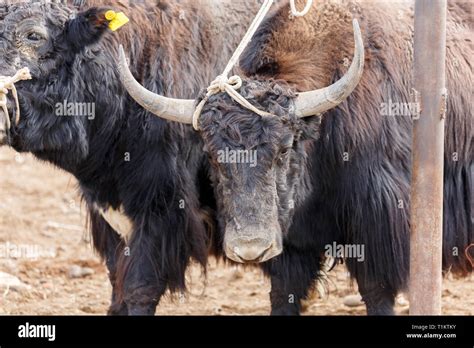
x=258 y=160
x=49 y=39
x=255 y=161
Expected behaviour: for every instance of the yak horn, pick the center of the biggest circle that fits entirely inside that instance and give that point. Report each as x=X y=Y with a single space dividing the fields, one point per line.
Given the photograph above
x=318 y=101
x=178 y=110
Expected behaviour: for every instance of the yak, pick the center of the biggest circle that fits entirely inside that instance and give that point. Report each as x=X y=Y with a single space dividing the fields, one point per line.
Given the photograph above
x=333 y=163
x=143 y=179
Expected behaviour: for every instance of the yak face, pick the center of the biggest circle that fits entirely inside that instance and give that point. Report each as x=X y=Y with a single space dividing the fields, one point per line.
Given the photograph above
x=46 y=37
x=256 y=167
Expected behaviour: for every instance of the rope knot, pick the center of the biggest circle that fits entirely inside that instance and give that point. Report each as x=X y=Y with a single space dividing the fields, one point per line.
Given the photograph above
x=6 y=83
x=229 y=86
x=235 y=82
x=222 y=83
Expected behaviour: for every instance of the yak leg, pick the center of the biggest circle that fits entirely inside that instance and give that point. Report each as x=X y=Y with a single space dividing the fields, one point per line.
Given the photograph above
x=117 y=306
x=283 y=300
x=292 y=275
x=108 y=243
x=142 y=288
x=159 y=252
x=148 y=272
x=378 y=299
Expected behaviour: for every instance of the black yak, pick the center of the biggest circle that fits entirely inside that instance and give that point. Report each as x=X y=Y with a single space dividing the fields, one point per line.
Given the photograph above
x=138 y=175
x=341 y=176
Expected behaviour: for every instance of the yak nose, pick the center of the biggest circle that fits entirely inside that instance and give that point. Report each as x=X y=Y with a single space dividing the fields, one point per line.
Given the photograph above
x=251 y=250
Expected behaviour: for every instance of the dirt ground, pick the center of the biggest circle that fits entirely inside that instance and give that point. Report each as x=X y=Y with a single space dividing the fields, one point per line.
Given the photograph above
x=40 y=211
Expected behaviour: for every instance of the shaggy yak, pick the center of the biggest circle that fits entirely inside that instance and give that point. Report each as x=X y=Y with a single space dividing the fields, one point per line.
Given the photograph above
x=143 y=179
x=333 y=164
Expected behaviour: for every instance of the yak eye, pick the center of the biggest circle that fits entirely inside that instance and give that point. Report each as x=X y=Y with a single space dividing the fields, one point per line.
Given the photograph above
x=281 y=159
x=34 y=37
x=284 y=151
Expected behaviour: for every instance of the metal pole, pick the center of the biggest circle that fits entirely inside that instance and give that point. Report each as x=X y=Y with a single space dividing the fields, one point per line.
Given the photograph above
x=428 y=152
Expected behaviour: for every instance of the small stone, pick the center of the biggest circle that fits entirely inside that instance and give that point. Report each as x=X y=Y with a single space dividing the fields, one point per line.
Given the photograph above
x=9 y=265
x=353 y=301
x=11 y=282
x=76 y=271
x=402 y=301
x=89 y=309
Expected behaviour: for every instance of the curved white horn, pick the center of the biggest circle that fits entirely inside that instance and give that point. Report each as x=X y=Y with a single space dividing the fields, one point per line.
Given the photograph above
x=320 y=100
x=178 y=110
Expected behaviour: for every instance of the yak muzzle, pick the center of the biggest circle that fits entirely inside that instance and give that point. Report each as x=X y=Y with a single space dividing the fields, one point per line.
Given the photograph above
x=252 y=250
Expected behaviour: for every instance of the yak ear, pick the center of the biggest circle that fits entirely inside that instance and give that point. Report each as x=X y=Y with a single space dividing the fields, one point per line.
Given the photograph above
x=255 y=60
x=87 y=27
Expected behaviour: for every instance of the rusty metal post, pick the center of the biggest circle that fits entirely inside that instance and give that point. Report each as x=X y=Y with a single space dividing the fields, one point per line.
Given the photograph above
x=428 y=152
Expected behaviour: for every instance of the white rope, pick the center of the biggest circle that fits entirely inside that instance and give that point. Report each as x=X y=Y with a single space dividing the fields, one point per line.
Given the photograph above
x=297 y=13
x=6 y=83
x=230 y=85
x=248 y=36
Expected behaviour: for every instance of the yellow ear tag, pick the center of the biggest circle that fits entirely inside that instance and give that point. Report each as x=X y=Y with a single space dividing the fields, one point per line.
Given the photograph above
x=117 y=20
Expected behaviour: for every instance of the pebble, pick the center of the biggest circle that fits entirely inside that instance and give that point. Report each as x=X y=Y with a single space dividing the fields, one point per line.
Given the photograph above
x=76 y=271
x=402 y=301
x=353 y=301
x=10 y=281
x=89 y=309
x=9 y=265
